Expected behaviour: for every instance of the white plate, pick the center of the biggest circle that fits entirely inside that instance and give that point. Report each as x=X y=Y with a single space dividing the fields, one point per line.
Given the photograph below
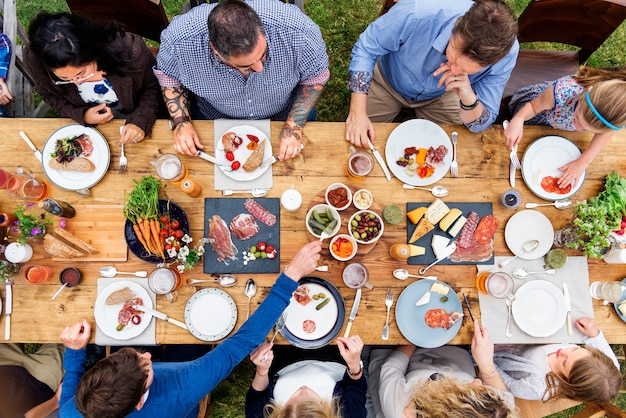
x=72 y=180
x=418 y=133
x=242 y=153
x=539 y=308
x=106 y=315
x=543 y=158
x=528 y=225
x=210 y=314
x=324 y=319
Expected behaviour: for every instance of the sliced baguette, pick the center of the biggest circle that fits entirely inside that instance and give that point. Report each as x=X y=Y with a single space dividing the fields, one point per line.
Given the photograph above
x=58 y=248
x=77 y=164
x=75 y=241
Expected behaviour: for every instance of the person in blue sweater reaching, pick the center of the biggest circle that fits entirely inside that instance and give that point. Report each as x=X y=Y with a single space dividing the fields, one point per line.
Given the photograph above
x=127 y=383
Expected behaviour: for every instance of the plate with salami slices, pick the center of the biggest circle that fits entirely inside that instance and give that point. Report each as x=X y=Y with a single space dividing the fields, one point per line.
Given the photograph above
x=540 y=167
x=243 y=148
x=109 y=314
x=413 y=320
x=315 y=314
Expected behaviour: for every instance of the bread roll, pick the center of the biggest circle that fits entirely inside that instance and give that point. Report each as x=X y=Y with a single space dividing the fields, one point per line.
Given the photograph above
x=79 y=164
x=74 y=240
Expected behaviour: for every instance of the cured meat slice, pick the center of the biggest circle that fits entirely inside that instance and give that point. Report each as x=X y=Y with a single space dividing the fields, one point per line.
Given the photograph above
x=486 y=229
x=231 y=141
x=435 y=156
x=244 y=226
x=308 y=326
x=439 y=318
x=475 y=252
x=259 y=212
x=221 y=241
x=466 y=236
x=301 y=295
x=550 y=185
x=85 y=144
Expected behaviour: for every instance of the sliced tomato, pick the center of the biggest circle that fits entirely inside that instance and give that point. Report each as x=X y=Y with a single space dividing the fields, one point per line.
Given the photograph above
x=136 y=319
x=230 y=156
x=253 y=138
x=235 y=165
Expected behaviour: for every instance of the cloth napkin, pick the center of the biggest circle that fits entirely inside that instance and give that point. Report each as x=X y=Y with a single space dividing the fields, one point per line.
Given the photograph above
x=494 y=311
x=222 y=181
x=148 y=337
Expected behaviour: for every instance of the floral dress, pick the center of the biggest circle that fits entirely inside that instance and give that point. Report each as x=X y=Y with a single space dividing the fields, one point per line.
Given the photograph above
x=567 y=92
x=100 y=92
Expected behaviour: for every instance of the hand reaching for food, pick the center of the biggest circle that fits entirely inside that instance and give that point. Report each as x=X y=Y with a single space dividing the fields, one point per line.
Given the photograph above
x=571 y=173
x=186 y=140
x=77 y=336
x=132 y=133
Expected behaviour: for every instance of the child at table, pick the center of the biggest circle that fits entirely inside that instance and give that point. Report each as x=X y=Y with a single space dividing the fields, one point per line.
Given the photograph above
x=593 y=100
x=587 y=374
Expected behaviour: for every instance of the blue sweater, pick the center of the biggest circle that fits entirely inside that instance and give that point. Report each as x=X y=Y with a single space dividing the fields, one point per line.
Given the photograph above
x=178 y=387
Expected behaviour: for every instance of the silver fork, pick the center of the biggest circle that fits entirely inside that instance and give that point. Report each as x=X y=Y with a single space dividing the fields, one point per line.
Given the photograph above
x=388 y=303
x=280 y=324
x=454 y=167
x=123 y=161
x=513 y=154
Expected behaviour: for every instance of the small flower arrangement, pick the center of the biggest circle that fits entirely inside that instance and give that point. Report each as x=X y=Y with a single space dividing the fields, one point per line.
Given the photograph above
x=7 y=270
x=186 y=256
x=29 y=225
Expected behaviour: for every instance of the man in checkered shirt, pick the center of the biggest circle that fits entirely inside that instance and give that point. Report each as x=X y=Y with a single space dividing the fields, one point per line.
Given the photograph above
x=257 y=59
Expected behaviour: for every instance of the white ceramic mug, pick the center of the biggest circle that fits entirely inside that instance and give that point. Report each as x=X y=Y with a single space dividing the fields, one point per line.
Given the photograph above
x=17 y=252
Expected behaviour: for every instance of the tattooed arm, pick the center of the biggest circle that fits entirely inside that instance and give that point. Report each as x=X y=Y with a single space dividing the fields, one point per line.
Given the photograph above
x=291 y=134
x=186 y=140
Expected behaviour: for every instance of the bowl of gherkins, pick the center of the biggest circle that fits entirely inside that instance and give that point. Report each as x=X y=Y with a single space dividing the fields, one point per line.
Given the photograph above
x=321 y=218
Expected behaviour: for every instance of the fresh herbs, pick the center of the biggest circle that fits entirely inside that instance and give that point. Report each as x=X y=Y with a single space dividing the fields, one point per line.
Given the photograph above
x=66 y=149
x=29 y=225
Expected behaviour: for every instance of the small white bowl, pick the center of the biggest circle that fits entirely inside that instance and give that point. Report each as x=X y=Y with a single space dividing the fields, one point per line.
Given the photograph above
x=355 y=247
x=321 y=208
x=377 y=219
x=362 y=199
x=335 y=186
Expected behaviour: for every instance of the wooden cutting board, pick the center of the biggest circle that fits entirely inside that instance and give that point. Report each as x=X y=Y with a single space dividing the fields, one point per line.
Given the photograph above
x=102 y=226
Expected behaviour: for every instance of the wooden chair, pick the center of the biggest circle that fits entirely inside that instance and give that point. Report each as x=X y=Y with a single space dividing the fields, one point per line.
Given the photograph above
x=146 y=18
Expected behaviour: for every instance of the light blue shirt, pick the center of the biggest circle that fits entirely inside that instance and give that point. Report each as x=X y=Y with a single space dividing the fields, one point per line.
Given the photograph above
x=410 y=41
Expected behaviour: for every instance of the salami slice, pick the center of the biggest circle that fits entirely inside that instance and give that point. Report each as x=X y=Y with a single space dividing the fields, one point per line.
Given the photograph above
x=259 y=212
x=486 y=229
x=436 y=318
x=466 y=236
x=301 y=295
x=550 y=185
x=309 y=326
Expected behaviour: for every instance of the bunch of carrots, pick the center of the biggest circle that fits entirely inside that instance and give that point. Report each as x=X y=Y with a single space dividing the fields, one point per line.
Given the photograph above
x=142 y=208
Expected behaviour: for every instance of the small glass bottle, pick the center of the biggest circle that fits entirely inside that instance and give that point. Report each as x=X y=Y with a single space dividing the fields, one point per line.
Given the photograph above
x=57 y=207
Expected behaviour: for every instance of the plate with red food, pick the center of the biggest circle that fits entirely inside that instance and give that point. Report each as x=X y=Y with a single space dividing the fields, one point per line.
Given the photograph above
x=418 y=152
x=431 y=324
x=540 y=167
x=75 y=157
x=243 y=148
x=315 y=314
x=114 y=311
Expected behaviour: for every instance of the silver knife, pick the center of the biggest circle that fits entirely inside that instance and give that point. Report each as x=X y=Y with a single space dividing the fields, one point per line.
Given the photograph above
x=213 y=160
x=8 y=310
x=31 y=146
x=380 y=159
x=160 y=315
x=568 y=306
x=355 y=308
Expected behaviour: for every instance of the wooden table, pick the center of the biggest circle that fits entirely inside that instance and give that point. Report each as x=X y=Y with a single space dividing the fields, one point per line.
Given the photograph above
x=484 y=170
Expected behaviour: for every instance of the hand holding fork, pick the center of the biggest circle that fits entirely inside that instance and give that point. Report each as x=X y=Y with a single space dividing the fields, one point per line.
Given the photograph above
x=280 y=324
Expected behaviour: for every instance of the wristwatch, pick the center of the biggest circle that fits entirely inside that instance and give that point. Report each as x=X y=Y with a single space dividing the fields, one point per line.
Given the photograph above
x=177 y=121
x=357 y=372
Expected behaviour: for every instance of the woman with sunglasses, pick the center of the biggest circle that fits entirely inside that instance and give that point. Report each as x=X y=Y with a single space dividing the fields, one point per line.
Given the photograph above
x=93 y=72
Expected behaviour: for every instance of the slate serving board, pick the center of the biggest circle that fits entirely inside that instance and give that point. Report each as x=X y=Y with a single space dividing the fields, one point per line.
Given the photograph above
x=481 y=209
x=227 y=209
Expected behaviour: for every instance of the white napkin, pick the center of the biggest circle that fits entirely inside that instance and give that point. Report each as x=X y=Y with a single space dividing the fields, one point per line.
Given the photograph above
x=222 y=181
x=494 y=311
x=148 y=337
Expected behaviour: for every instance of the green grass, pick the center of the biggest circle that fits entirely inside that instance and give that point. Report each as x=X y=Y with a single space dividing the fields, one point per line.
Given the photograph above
x=341 y=22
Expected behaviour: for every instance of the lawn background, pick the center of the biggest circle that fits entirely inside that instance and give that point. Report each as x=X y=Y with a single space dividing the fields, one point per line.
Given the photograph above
x=341 y=22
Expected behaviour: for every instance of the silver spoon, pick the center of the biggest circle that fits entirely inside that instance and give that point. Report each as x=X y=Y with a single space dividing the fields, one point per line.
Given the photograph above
x=559 y=204
x=526 y=248
x=59 y=291
x=522 y=273
x=249 y=290
x=224 y=280
x=437 y=191
x=402 y=274
x=112 y=272
x=255 y=192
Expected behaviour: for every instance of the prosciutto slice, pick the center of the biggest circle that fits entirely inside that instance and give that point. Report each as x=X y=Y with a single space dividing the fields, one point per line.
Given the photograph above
x=221 y=241
x=244 y=226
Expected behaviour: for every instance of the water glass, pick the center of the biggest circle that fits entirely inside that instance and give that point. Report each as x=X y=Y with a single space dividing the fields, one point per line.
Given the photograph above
x=170 y=167
x=497 y=284
x=24 y=185
x=360 y=164
x=610 y=292
x=165 y=281
x=356 y=276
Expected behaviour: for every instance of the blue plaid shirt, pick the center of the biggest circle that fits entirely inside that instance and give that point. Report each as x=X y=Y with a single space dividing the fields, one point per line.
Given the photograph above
x=296 y=55
x=5 y=55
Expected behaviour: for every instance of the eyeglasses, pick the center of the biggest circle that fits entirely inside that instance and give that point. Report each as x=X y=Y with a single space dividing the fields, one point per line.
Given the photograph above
x=74 y=80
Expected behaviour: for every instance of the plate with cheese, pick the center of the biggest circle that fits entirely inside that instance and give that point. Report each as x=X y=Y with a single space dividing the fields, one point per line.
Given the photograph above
x=620 y=306
x=433 y=226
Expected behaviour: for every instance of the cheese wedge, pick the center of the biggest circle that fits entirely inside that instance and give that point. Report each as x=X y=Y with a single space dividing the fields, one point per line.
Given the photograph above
x=439 y=245
x=436 y=211
x=423 y=227
x=454 y=231
x=417 y=250
x=449 y=219
x=416 y=214
x=424 y=299
x=439 y=288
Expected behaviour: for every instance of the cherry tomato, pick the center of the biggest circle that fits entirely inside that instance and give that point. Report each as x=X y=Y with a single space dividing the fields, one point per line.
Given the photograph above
x=164 y=234
x=136 y=319
x=230 y=156
x=269 y=248
x=253 y=138
x=271 y=255
x=235 y=165
x=168 y=246
x=179 y=233
x=261 y=246
x=165 y=219
x=175 y=224
x=237 y=140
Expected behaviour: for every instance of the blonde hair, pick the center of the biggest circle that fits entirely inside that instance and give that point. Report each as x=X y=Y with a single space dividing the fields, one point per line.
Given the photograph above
x=593 y=379
x=446 y=397
x=607 y=92
x=308 y=408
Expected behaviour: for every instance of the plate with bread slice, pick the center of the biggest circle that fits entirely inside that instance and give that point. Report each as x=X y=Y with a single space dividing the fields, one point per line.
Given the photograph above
x=114 y=312
x=243 y=149
x=76 y=157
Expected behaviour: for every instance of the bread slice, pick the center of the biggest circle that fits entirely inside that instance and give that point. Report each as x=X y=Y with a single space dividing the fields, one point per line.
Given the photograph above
x=58 y=248
x=256 y=158
x=74 y=240
x=80 y=164
x=120 y=296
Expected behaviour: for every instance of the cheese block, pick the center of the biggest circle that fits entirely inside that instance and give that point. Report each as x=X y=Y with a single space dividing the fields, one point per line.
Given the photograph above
x=423 y=227
x=436 y=211
x=449 y=219
x=417 y=250
x=416 y=214
x=456 y=228
x=439 y=245
x=442 y=289
x=622 y=308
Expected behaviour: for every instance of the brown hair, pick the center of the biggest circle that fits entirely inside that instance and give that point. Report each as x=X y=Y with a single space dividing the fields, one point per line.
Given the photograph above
x=608 y=96
x=308 y=408
x=593 y=379
x=113 y=386
x=234 y=28
x=487 y=31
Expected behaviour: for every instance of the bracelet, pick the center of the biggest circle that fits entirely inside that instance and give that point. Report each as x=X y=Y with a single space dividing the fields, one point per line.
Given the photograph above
x=470 y=107
x=492 y=374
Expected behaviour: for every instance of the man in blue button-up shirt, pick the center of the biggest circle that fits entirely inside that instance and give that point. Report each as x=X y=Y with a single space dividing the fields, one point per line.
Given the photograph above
x=448 y=62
